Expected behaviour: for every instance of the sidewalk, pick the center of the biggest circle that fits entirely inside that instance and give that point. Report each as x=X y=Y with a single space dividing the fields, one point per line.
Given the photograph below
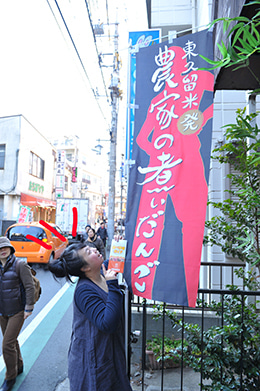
x=152 y=380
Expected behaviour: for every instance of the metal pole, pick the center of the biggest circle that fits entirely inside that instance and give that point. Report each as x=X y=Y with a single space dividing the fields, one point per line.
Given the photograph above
x=121 y=198
x=143 y=342
x=113 y=141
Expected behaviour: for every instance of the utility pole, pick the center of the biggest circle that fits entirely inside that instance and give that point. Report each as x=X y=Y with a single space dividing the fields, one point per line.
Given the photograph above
x=115 y=95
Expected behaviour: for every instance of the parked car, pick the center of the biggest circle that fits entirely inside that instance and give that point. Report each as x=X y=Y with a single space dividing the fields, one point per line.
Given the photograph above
x=33 y=252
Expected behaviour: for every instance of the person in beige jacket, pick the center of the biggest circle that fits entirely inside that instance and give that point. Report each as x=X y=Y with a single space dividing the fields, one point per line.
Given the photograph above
x=16 y=304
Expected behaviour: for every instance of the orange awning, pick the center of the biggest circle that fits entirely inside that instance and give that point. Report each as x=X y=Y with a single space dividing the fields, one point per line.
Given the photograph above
x=28 y=200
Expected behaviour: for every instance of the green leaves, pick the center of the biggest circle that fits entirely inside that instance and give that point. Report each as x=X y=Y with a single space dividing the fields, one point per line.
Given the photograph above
x=224 y=349
x=243 y=40
x=236 y=227
x=236 y=230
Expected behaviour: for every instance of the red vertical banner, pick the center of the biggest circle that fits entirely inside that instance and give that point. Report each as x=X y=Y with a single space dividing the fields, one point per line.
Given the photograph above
x=168 y=184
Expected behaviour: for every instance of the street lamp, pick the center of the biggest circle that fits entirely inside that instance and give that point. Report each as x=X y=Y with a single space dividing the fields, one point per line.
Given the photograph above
x=98 y=147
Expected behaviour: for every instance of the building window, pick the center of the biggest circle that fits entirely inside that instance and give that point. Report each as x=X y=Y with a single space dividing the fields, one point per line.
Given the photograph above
x=2 y=156
x=69 y=156
x=36 y=166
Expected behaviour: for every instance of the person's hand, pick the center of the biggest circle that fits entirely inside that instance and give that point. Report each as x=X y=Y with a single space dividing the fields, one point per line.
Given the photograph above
x=118 y=237
x=109 y=274
x=26 y=314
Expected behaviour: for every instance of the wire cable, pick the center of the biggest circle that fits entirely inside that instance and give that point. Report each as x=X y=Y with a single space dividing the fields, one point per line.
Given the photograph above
x=76 y=50
x=92 y=28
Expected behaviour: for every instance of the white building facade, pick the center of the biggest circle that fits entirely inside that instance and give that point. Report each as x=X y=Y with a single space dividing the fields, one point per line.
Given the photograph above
x=89 y=180
x=26 y=172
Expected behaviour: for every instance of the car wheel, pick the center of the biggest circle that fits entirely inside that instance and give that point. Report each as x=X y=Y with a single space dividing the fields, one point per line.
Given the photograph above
x=46 y=266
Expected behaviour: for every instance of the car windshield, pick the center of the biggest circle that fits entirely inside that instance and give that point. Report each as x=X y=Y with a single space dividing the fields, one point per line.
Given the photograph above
x=19 y=233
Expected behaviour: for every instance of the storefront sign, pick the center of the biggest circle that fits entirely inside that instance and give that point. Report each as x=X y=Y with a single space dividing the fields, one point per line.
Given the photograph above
x=36 y=187
x=74 y=174
x=60 y=174
x=59 y=193
x=24 y=213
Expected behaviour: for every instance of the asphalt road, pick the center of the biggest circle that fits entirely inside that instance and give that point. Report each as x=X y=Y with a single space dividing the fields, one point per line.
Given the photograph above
x=45 y=337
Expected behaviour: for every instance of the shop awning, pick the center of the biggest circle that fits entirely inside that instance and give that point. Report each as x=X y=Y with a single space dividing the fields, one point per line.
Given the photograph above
x=28 y=200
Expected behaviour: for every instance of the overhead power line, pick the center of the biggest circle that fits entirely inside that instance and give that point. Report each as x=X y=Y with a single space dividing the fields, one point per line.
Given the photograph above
x=76 y=50
x=92 y=28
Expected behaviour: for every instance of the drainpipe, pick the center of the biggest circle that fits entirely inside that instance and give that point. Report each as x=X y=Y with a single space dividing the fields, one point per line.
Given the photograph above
x=194 y=16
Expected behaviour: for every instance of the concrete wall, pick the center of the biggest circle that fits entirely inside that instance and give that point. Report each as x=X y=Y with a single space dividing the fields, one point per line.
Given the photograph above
x=10 y=136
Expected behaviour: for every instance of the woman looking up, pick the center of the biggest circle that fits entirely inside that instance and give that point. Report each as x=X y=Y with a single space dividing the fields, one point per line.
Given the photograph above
x=96 y=359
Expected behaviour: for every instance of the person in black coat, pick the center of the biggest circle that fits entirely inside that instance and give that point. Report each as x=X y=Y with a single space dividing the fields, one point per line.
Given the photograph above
x=85 y=235
x=102 y=233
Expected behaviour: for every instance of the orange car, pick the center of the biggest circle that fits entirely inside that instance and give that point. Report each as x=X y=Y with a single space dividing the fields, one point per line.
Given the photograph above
x=31 y=251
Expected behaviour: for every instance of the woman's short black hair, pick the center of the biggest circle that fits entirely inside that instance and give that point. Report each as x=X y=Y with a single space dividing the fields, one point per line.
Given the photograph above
x=70 y=262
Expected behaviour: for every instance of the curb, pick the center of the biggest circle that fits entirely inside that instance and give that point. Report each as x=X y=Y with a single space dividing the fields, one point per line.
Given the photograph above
x=63 y=386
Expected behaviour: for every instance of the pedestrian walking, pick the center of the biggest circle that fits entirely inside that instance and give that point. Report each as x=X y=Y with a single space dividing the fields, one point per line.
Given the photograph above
x=85 y=235
x=96 y=358
x=16 y=304
x=94 y=241
x=102 y=233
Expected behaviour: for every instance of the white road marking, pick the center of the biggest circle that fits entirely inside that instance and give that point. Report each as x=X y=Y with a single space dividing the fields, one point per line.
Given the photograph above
x=37 y=320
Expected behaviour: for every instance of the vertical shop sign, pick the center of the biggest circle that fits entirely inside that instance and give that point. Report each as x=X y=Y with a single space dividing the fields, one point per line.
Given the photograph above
x=60 y=174
x=24 y=214
x=168 y=184
x=137 y=40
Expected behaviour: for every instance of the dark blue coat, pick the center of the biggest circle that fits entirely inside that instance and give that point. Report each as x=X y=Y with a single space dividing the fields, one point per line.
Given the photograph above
x=96 y=356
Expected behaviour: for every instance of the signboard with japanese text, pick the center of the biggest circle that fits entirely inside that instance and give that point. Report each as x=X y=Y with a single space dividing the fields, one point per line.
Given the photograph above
x=60 y=168
x=74 y=174
x=59 y=193
x=117 y=255
x=24 y=214
x=168 y=184
x=137 y=40
x=60 y=173
x=60 y=181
